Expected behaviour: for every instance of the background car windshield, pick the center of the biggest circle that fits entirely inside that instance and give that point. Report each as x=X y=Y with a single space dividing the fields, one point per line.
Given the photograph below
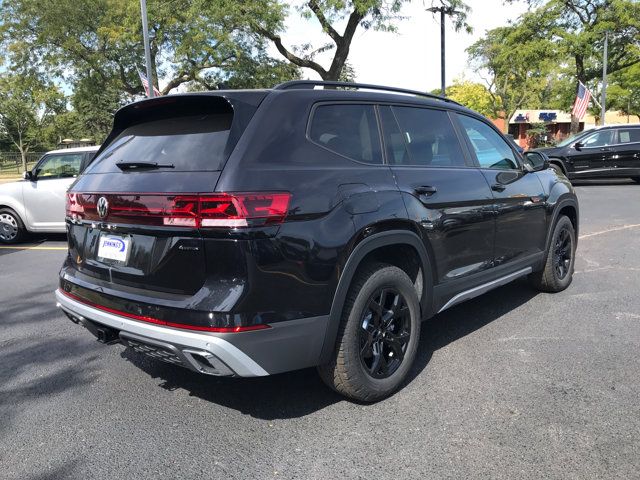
x=190 y=143
x=569 y=140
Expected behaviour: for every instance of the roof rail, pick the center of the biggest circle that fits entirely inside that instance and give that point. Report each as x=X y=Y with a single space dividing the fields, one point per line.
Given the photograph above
x=310 y=84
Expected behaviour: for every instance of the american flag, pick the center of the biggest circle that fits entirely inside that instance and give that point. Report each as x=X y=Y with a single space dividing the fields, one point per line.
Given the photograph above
x=582 y=101
x=145 y=84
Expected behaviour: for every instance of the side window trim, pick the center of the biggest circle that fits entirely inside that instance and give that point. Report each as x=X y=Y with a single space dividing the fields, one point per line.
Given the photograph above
x=374 y=105
x=472 y=151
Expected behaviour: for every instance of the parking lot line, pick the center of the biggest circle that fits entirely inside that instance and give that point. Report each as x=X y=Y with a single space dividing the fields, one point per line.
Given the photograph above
x=614 y=229
x=5 y=247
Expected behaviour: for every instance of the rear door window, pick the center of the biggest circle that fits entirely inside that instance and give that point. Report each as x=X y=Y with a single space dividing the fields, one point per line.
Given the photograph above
x=629 y=135
x=421 y=137
x=189 y=143
x=349 y=130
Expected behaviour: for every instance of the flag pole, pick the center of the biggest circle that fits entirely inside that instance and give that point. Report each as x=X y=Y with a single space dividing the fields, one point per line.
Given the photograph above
x=604 y=77
x=147 y=49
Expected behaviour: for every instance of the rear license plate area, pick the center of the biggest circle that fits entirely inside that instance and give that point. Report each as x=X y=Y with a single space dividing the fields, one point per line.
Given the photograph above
x=114 y=248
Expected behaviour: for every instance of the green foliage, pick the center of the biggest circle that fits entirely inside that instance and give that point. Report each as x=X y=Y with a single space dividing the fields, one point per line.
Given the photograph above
x=537 y=134
x=538 y=60
x=624 y=91
x=95 y=47
x=472 y=95
x=27 y=105
x=515 y=64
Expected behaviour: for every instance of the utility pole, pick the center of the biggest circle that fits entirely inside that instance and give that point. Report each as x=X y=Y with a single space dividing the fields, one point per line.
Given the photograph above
x=443 y=12
x=603 y=102
x=147 y=49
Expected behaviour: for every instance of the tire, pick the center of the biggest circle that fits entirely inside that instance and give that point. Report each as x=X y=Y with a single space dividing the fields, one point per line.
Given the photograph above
x=557 y=168
x=558 y=268
x=636 y=179
x=11 y=227
x=355 y=370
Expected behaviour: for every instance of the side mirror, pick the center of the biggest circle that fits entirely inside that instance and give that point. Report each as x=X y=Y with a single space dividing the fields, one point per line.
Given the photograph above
x=578 y=145
x=28 y=175
x=535 y=161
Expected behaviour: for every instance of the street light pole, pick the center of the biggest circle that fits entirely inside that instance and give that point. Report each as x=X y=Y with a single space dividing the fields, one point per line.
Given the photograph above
x=443 y=12
x=147 y=49
x=604 y=78
x=443 y=81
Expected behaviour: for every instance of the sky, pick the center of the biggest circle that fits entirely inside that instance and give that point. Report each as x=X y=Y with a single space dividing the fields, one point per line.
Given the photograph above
x=409 y=58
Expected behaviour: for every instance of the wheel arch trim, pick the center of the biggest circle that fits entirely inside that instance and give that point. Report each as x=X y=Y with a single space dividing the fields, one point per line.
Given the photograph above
x=559 y=205
x=361 y=250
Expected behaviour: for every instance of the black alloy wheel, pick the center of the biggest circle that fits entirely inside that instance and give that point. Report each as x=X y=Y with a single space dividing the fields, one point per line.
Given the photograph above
x=378 y=335
x=385 y=332
x=562 y=254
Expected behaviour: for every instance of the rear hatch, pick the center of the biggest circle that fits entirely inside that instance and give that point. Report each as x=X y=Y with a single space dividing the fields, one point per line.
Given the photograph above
x=135 y=214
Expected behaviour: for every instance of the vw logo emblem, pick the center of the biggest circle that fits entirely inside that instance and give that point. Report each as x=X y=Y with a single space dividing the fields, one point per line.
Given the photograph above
x=103 y=207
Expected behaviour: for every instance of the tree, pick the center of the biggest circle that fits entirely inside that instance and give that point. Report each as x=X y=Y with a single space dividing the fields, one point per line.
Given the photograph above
x=515 y=68
x=266 y=19
x=102 y=40
x=578 y=28
x=472 y=95
x=26 y=106
x=624 y=91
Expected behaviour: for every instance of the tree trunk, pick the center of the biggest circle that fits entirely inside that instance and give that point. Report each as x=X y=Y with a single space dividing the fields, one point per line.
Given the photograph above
x=24 y=159
x=23 y=152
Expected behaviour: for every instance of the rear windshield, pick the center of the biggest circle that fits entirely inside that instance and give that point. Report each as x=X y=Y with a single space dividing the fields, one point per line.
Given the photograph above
x=189 y=143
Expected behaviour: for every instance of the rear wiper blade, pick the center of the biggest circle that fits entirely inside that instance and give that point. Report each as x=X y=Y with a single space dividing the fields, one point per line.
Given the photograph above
x=142 y=165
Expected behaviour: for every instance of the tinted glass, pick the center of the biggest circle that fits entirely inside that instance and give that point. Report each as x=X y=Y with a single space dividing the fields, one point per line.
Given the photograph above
x=190 y=143
x=395 y=146
x=350 y=130
x=60 y=166
x=429 y=138
x=598 y=139
x=492 y=151
x=629 y=135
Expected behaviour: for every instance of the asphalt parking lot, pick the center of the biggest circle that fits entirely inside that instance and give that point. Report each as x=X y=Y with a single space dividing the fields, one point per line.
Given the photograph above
x=514 y=384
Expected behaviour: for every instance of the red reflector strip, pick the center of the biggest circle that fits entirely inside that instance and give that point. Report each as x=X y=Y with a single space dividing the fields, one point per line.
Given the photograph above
x=164 y=323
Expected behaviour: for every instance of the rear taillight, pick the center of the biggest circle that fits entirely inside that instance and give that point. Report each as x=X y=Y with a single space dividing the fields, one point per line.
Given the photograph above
x=230 y=210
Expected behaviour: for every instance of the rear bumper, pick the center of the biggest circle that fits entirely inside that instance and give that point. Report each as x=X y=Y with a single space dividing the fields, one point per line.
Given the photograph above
x=286 y=346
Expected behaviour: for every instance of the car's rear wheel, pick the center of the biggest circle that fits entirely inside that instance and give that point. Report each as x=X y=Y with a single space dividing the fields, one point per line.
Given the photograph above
x=11 y=227
x=558 y=269
x=378 y=336
x=636 y=179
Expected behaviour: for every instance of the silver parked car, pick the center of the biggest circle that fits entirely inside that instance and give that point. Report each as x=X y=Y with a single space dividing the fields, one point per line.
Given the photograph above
x=36 y=204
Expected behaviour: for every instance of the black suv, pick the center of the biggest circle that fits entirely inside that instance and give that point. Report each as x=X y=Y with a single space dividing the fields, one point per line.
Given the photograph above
x=254 y=232
x=612 y=151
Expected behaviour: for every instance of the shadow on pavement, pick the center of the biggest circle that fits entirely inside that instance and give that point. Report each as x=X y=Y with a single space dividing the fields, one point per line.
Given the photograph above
x=35 y=368
x=38 y=306
x=299 y=393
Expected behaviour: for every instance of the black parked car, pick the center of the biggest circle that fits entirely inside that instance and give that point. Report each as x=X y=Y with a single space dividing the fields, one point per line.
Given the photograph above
x=610 y=151
x=254 y=232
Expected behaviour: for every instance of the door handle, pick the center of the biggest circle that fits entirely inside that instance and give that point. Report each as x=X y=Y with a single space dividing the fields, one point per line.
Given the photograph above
x=498 y=187
x=425 y=190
